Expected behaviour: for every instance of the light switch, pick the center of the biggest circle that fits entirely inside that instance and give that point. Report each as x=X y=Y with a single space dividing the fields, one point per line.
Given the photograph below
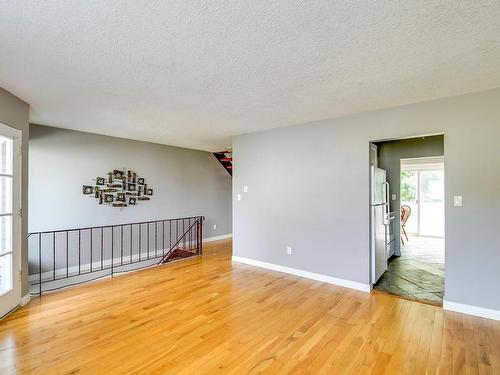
x=238 y=197
x=394 y=197
x=245 y=189
x=457 y=201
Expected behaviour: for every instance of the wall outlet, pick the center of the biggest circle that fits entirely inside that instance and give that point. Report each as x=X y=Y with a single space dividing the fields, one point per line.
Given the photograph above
x=245 y=189
x=458 y=201
x=394 y=197
x=215 y=226
x=238 y=197
x=289 y=250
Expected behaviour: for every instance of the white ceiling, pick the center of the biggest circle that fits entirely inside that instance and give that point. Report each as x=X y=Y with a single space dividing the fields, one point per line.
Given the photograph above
x=194 y=73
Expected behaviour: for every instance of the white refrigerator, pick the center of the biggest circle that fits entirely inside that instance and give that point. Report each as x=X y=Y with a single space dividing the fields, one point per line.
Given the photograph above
x=379 y=215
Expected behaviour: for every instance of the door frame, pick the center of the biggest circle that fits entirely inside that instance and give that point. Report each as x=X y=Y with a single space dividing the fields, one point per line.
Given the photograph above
x=389 y=138
x=16 y=136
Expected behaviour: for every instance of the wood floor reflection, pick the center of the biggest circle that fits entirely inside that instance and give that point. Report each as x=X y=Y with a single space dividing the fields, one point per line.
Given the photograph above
x=208 y=315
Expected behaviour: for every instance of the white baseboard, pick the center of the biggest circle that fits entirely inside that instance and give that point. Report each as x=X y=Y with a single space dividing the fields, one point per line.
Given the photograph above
x=217 y=238
x=471 y=310
x=25 y=299
x=308 y=275
x=96 y=266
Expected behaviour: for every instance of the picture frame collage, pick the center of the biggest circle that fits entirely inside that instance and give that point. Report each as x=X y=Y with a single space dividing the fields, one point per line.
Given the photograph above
x=120 y=188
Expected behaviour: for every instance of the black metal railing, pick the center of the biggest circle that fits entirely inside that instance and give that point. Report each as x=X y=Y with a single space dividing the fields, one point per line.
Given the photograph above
x=61 y=258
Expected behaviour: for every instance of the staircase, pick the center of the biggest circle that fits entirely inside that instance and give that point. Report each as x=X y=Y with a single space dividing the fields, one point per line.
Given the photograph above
x=188 y=244
x=180 y=254
x=225 y=158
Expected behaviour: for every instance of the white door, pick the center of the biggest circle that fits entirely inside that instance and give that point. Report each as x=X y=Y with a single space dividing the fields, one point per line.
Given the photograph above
x=10 y=219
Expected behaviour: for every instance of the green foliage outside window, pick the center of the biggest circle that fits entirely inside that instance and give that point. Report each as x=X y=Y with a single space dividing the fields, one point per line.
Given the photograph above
x=408 y=186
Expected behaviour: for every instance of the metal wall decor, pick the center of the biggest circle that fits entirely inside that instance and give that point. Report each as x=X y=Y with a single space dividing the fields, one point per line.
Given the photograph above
x=120 y=188
x=88 y=189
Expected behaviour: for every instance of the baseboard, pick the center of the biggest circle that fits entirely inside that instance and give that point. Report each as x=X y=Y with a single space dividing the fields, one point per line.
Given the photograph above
x=483 y=312
x=25 y=299
x=308 y=275
x=218 y=238
x=96 y=266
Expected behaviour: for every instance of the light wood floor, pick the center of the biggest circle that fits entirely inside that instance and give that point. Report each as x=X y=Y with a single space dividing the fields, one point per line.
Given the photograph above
x=207 y=315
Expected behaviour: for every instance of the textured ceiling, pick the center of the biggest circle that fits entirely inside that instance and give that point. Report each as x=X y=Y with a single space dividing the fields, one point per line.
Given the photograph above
x=194 y=73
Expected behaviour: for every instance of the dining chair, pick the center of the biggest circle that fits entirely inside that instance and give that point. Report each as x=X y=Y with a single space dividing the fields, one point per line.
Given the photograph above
x=405 y=215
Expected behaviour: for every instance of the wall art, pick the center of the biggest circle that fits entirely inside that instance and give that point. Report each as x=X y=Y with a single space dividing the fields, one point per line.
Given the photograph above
x=121 y=188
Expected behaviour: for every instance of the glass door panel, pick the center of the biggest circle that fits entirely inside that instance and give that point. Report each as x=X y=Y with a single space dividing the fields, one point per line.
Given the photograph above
x=10 y=289
x=409 y=197
x=5 y=195
x=5 y=273
x=432 y=203
x=423 y=191
x=5 y=234
x=6 y=154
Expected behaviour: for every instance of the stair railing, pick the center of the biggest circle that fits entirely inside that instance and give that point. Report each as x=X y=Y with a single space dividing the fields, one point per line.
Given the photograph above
x=186 y=242
x=61 y=258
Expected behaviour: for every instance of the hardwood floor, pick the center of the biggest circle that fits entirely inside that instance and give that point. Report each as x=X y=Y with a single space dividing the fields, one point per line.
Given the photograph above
x=206 y=315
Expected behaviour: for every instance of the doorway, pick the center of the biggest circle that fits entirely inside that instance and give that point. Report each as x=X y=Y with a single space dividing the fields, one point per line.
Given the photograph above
x=415 y=174
x=10 y=220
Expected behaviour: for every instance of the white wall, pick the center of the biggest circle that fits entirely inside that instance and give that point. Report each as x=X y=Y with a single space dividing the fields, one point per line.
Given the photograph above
x=186 y=182
x=309 y=189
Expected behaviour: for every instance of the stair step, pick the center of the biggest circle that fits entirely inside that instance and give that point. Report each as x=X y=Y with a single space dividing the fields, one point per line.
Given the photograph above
x=180 y=254
x=224 y=160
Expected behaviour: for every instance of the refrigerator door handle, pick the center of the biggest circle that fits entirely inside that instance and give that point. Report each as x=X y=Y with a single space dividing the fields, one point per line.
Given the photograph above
x=386 y=192
x=386 y=199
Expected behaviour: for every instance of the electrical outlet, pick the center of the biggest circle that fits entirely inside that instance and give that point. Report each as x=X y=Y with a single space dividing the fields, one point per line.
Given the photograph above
x=394 y=197
x=458 y=201
x=289 y=250
x=215 y=226
x=238 y=197
x=245 y=189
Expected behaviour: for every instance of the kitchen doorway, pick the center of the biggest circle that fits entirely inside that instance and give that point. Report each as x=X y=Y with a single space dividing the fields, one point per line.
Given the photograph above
x=415 y=199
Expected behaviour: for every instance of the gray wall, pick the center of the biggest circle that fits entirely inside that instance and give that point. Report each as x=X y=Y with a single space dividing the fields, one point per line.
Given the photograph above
x=308 y=187
x=15 y=113
x=390 y=154
x=186 y=182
